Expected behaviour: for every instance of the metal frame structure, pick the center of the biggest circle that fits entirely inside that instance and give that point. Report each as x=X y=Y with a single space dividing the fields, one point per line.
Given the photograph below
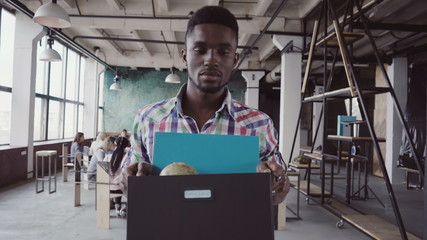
x=328 y=14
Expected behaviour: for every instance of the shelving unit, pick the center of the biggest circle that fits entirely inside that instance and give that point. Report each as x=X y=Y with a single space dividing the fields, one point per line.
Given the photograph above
x=340 y=39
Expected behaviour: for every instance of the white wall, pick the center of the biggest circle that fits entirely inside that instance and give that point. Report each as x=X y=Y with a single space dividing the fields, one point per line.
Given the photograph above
x=27 y=35
x=90 y=101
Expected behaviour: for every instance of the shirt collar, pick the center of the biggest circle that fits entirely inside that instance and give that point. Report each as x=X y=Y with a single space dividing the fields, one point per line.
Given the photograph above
x=227 y=104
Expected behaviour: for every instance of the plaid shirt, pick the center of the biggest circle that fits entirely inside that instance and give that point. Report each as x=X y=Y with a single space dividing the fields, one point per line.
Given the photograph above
x=232 y=118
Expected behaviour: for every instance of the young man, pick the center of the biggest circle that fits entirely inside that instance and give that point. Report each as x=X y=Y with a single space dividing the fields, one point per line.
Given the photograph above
x=204 y=105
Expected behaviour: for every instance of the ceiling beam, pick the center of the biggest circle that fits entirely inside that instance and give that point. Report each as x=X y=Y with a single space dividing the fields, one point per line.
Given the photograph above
x=163 y=5
x=253 y=26
x=102 y=33
x=142 y=45
x=243 y=41
x=392 y=27
x=262 y=7
x=266 y=50
x=115 y=4
x=304 y=7
x=213 y=2
x=141 y=40
x=68 y=3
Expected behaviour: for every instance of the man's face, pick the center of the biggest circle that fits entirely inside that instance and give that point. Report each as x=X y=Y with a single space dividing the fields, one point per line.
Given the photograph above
x=210 y=56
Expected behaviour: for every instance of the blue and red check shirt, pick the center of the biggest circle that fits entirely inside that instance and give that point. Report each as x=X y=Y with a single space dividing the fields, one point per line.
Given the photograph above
x=232 y=118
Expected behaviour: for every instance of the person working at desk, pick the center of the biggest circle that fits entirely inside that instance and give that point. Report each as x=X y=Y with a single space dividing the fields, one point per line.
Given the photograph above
x=107 y=148
x=97 y=143
x=204 y=105
x=77 y=145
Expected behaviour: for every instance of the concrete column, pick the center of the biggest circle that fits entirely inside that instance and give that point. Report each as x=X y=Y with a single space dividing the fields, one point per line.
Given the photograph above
x=27 y=34
x=398 y=74
x=290 y=94
x=252 y=87
x=90 y=115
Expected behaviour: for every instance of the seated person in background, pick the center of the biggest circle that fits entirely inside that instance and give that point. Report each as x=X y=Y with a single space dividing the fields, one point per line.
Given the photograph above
x=118 y=160
x=204 y=104
x=106 y=148
x=97 y=143
x=77 y=145
x=124 y=133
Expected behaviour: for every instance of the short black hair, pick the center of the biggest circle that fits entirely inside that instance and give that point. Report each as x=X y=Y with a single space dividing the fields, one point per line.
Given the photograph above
x=214 y=15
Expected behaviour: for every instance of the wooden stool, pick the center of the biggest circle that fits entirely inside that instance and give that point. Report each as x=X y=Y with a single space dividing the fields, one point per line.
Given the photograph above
x=40 y=155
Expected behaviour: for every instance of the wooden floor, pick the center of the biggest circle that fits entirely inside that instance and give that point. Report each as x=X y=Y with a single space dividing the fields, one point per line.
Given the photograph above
x=376 y=227
x=372 y=225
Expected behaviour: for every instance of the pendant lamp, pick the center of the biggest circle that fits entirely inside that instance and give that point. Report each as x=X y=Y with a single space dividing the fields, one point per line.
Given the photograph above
x=172 y=77
x=52 y=15
x=49 y=54
x=116 y=85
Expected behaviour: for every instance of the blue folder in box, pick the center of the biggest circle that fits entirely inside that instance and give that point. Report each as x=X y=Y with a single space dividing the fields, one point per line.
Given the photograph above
x=207 y=153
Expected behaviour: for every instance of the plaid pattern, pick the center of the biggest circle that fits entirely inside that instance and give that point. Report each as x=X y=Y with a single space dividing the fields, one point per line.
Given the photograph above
x=233 y=118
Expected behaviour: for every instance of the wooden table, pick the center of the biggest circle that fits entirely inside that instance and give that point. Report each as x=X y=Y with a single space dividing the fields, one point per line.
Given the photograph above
x=103 y=195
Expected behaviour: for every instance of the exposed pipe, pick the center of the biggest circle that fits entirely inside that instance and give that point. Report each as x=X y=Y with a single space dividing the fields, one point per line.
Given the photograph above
x=78 y=7
x=143 y=17
x=273 y=75
x=58 y=34
x=246 y=53
x=167 y=47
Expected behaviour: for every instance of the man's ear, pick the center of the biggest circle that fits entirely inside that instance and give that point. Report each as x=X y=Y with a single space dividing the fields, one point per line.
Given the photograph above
x=236 y=58
x=184 y=55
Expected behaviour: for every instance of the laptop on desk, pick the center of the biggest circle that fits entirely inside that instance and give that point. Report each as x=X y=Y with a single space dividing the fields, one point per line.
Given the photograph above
x=200 y=207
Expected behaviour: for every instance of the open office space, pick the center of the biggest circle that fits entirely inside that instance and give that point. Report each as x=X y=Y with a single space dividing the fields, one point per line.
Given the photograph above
x=344 y=83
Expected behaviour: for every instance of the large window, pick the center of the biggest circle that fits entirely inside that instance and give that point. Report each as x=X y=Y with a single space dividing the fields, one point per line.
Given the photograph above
x=101 y=103
x=59 y=95
x=7 y=32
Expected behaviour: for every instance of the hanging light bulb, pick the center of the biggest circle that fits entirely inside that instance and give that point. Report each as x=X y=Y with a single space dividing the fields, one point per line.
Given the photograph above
x=52 y=15
x=116 y=85
x=49 y=54
x=172 y=77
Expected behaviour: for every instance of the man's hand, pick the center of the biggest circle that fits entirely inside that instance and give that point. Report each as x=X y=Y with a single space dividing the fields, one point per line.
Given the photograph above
x=135 y=169
x=280 y=183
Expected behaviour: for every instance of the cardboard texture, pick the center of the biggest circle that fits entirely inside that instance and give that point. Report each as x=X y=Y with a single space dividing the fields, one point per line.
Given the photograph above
x=194 y=207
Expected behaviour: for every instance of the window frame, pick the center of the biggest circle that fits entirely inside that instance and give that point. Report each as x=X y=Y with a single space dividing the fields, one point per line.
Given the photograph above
x=3 y=88
x=62 y=100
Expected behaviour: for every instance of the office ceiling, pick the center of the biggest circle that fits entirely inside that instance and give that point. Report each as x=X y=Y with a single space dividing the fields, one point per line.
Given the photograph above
x=153 y=31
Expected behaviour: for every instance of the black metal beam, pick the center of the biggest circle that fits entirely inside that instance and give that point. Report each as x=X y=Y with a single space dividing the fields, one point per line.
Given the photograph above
x=392 y=27
x=5 y=89
x=410 y=50
x=298 y=34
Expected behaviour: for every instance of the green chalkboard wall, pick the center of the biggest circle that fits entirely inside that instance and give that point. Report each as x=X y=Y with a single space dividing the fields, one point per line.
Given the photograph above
x=144 y=86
